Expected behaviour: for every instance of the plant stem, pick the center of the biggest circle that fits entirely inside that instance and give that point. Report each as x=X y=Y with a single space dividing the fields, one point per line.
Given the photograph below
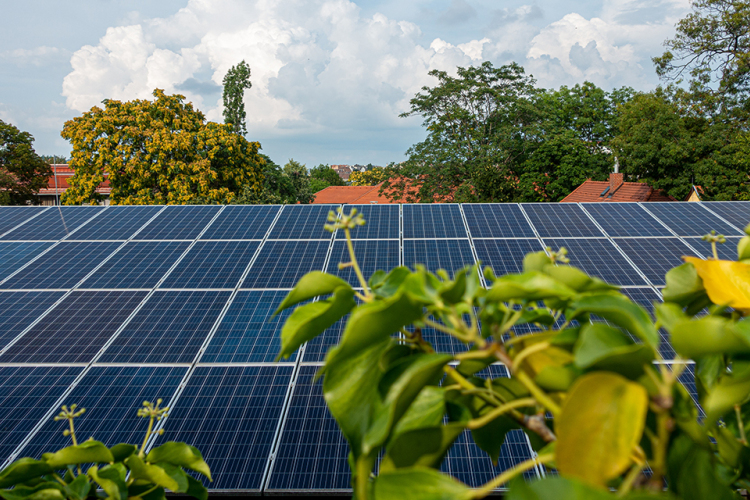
x=476 y=423
x=528 y=352
x=141 y=452
x=538 y=393
x=363 y=474
x=627 y=483
x=509 y=474
x=444 y=329
x=357 y=270
x=740 y=424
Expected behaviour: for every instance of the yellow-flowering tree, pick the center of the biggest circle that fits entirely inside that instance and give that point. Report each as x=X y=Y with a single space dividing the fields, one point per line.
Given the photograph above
x=371 y=177
x=158 y=152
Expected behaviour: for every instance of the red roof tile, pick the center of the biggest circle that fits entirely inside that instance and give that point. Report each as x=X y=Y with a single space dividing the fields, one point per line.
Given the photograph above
x=627 y=191
x=63 y=172
x=351 y=195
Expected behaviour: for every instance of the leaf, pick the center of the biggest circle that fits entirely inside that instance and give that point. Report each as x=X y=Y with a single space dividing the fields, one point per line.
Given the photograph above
x=554 y=488
x=44 y=491
x=724 y=395
x=556 y=378
x=603 y=347
x=423 y=447
x=490 y=438
x=532 y=285
x=145 y=491
x=684 y=287
x=162 y=474
x=84 y=453
x=454 y=292
x=112 y=481
x=726 y=282
x=601 y=421
x=427 y=410
x=79 y=487
x=196 y=488
x=419 y=483
x=707 y=336
x=313 y=284
x=620 y=311
x=182 y=455
x=535 y=261
x=122 y=451
x=691 y=472
x=577 y=279
x=22 y=470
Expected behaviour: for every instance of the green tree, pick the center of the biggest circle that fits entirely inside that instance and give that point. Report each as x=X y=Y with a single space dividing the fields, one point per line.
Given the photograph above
x=22 y=172
x=327 y=174
x=52 y=159
x=235 y=82
x=155 y=152
x=297 y=173
x=277 y=187
x=370 y=177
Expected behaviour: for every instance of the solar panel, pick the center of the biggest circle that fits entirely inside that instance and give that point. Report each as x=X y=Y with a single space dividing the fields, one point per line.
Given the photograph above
x=171 y=327
x=179 y=222
x=280 y=264
x=505 y=256
x=497 y=221
x=302 y=222
x=451 y=255
x=13 y=255
x=116 y=223
x=75 y=330
x=316 y=349
x=212 y=264
x=655 y=256
x=600 y=258
x=687 y=379
x=19 y=309
x=371 y=256
x=62 y=267
x=381 y=222
x=111 y=395
x=433 y=221
x=26 y=393
x=625 y=219
x=726 y=251
x=238 y=222
x=53 y=224
x=555 y=220
x=139 y=264
x=442 y=342
x=247 y=333
x=230 y=414
x=690 y=219
x=10 y=217
x=736 y=212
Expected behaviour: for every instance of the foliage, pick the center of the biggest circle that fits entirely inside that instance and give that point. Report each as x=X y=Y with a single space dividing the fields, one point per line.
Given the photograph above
x=54 y=159
x=588 y=385
x=123 y=471
x=326 y=174
x=160 y=152
x=277 y=188
x=22 y=172
x=235 y=82
x=297 y=173
x=371 y=177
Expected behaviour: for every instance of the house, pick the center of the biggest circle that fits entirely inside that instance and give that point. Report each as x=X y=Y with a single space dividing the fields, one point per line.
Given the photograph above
x=58 y=183
x=615 y=190
x=344 y=171
x=351 y=195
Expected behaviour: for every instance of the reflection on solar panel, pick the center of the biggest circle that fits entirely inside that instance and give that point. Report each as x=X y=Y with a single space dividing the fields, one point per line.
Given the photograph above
x=53 y=224
x=450 y=255
x=381 y=222
x=139 y=264
x=237 y=222
x=560 y=220
x=75 y=330
x=19 y=309
x=433 y=221
x=10 y=217
x=726 y=251
x=690 y=219
x=230 y=415
x=505 y=256
x=247 y=333
x=13 y=255
x=178 y=222
x=116 y=223
x=111 y=396
x=312 y=451
x=372 y=255
x=280 y=264
x=302 y=222
x=736 y=212
x=598 y=257
x=655 y=256
x=170 y=328
x=497 y=221
x=62 y=267
x=212 y=264
x=625 y=219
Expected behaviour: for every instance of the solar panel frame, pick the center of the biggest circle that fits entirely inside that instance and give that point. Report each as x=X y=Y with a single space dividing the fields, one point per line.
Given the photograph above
x=381 y=222
x=18 y=310
x=14 y=254
x=689 y=219
x=655 y=256
x=118 y=222
x=54 y=224
x=441 y=220
x=283 y=262
x=10 y=217
x=505 y=256
x=560 y=220
x=372 y=255
x=625 y=220
x=242 y=222
x=487 y=220
x=451 y=255
x=302 y=222
x=179 y=222
x=212 y=264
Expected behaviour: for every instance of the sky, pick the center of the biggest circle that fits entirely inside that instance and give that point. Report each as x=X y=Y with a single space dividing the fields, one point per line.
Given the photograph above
x=329 y=77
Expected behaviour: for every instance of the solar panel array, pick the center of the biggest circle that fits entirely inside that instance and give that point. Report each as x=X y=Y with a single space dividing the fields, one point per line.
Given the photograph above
x=108 y=306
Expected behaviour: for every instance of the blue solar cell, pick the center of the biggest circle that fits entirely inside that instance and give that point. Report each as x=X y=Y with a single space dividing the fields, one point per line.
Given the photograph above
x=170 y=328
x=451 y=255
x=497 y=221
x=10 y=217
x=600 y=258
x=381 y=222
x=442 y=342
x=690 y=219
x=626 y=219
x=433 y=221
x=212 y=264
x=111 y=395
x=54 y=223
x=554 y=220
x=62 y=267
x=736 y=212
x=179 y=222
x=230 y=414
x=726 y=251
x=247 y=332
x=687 y=379
x=655 y=256
x=19 y=309
x=139 y=264
x=13 y=255
x=505 y=256
x=372 y=255
x=116 y=223
x=302 y=222
x=26 y=394
x=280 y=264
x=75 y=330
x=316 y=349
x=239 y=222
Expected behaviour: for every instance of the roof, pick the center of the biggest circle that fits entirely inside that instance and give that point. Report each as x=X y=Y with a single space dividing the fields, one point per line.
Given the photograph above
x=351 y=195
x=629 y=191
x=63 y=172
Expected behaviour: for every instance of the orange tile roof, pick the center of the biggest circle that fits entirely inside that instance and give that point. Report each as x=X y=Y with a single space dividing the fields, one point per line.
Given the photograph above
x=351 y=195
x=628 y=191
x=63 y=172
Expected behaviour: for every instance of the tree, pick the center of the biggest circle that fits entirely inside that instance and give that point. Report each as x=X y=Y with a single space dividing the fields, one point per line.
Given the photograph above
x=277 y=187
x=327 y=174
x=54 y=159
x=370 y=177
x=22 y=172
x=297 y=173
x=156 y=152
x=235 y=82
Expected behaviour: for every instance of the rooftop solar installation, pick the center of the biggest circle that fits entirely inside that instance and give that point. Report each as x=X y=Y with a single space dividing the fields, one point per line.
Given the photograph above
x=451 y=255
x=625 y=219
x=382 y=222
x=179 y=222
x=505 y=256
x=726 y=250
x=690 y=219
x=560 y=220
x=599 y=257
x=54 y=224
x=212 y=264
x=497 y=221
x=655 y=256
x=18 y=310
x=736 y=212
x=116 y=223
x=433 y=221
x=242 y=222
x=280 y=264
x=14 y=254
x=302 y=222
x=10 y=217
x=372 y=255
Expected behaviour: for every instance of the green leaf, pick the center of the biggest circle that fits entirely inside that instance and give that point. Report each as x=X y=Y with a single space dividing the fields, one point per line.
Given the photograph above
x=377 y=279
x=577 y=279
x=692 y=473
x=162 y=474
x=196 y=489
x=454 y=292
x=310 y=320
x=145 y=491
x=392 y=282
x=707 y=336
x=529 y=286
x=122 y=451
x=22 y=470
x=620 y=311
x=424 y=447
x=603 y=347
x=490 y=438
x=722 y=397
x=535 y=261
x=556 y=378
x=685 y=288
x=669 y=315
x=84 y=453
x=182 y=455
x=554 y=488
x=78 y=488
x=427 y=410
x=419 y=483
x=44 y=491
x=111 y=479
x=313 y=284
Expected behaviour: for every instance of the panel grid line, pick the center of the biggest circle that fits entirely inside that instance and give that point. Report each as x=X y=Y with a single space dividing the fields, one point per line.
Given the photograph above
x=720 y=217
x=25 y=221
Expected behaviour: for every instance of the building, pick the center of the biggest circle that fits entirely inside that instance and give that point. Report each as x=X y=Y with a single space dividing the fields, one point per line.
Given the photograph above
x=351 y=195
x=58 y=183
x=615 y=190
x=344 y=171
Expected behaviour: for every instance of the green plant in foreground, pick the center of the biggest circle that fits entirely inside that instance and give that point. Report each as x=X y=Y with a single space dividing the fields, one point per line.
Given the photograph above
x=121 y=472
x=588 y=386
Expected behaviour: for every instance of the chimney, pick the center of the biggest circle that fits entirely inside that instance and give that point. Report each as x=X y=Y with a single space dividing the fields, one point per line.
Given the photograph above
x=615 y=181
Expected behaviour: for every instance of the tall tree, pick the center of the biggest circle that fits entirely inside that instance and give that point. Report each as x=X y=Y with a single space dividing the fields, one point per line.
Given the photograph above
x=324 y=176
x=297 y=172
x=22 y=172
x=235 y=82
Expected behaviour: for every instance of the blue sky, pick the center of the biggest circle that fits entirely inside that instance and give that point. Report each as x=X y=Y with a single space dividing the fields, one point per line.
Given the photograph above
x=329 y=76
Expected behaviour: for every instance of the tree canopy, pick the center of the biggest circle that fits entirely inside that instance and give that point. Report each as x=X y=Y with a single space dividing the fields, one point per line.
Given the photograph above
x=370 y=177
x=22 y=172
x=235 y=82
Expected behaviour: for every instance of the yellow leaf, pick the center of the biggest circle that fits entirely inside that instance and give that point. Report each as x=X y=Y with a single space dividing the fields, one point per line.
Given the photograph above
x=726 y=281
